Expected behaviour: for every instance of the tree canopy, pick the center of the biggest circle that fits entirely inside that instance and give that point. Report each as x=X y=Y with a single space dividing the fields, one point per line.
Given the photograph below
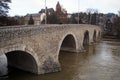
x=4 y=7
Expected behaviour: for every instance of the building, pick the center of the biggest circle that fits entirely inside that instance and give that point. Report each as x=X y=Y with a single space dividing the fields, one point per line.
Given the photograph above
x=48 y=10
x=37 y=17
x=61 y=13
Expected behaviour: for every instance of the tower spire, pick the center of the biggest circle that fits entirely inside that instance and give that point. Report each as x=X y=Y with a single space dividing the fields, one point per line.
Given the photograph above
x=58 y=4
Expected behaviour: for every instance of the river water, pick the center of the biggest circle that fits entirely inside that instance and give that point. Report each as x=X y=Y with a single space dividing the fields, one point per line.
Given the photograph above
x=101 y=61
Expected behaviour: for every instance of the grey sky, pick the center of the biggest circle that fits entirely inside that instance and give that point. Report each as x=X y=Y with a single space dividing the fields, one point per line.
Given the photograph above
x=22 y=7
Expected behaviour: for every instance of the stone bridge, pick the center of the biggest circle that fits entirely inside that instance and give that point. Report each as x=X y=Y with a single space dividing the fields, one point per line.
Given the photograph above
x=36 y=48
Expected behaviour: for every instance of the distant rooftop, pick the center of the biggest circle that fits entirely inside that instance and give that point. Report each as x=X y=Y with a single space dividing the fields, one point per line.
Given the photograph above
x=51 y=10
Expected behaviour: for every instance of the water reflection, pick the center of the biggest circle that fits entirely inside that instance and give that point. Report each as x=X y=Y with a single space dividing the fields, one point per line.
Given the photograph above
x=100 y=62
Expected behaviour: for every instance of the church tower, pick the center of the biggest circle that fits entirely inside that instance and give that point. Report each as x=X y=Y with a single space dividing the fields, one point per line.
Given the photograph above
x=58 y=7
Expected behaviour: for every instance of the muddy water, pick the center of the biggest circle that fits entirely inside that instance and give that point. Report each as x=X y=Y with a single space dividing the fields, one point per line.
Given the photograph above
x=100 y=62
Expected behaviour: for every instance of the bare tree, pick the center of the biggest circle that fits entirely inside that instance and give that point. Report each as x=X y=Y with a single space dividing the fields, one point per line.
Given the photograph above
x=91 y=13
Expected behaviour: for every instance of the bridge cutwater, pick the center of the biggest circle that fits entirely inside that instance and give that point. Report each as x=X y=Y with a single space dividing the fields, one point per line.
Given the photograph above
x=36 y=48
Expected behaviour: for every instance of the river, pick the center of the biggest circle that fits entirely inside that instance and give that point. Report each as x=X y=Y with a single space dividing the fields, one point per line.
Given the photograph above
x=101 y=61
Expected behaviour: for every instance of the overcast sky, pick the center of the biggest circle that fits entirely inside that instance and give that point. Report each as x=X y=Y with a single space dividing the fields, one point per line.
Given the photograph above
x=22 y=7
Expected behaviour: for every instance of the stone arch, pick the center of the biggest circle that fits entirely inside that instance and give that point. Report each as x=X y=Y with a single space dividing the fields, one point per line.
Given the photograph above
x=68 y=43
x=86 y=38
x=70 y=47
x=22 y=59
x=94 y=36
